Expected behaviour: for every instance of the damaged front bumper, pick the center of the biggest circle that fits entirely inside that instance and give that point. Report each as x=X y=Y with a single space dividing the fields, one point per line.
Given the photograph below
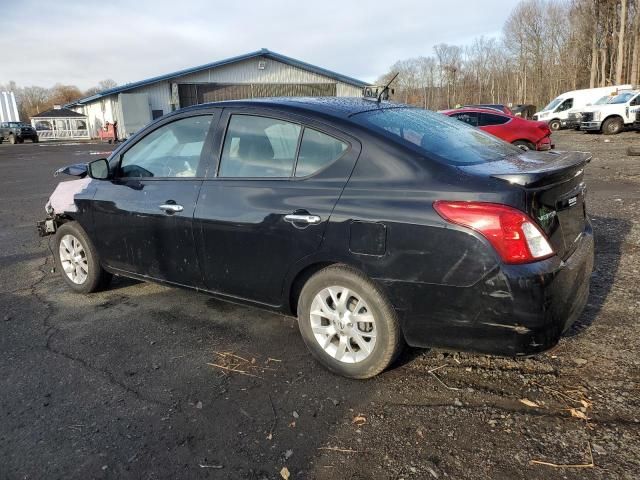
x=46 y=227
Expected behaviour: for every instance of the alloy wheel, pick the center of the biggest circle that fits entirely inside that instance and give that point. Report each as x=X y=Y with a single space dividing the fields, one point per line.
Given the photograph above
x=343 y=324
x=73 y=259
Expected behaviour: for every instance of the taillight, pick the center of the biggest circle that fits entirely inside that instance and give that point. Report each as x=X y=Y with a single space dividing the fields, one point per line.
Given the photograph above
x=511 y=232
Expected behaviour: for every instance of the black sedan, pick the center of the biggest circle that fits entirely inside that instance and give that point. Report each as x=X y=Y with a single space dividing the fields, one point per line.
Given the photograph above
x=377 y=224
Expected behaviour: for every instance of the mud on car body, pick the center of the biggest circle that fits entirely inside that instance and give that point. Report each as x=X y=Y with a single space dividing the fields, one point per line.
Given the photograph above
x=376 y=224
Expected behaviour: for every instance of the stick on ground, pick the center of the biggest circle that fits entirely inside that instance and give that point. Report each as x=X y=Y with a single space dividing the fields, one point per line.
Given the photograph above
x=560 y=465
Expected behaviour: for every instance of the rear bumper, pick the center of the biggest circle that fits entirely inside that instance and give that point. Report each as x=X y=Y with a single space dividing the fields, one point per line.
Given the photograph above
x=591 y=126
x=545 y=144
x=516 y=310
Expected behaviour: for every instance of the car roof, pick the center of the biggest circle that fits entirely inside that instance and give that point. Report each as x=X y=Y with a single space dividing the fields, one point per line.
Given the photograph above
x=476 y=109
x=340 y=107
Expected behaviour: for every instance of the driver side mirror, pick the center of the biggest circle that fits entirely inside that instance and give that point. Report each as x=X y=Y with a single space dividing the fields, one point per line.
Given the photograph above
x=99 y=169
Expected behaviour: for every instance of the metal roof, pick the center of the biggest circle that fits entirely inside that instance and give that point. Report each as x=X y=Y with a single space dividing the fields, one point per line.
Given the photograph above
x=58 y=113
x=265 y=53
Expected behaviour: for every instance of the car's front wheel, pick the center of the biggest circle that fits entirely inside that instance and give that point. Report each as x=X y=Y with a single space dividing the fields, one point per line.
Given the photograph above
x=77 y=260
x=347 y=323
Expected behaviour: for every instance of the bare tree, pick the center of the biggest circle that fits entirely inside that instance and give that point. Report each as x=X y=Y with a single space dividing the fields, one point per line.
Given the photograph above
x=621 y=42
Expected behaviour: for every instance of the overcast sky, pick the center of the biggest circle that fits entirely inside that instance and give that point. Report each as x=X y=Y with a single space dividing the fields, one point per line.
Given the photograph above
x=83 y=42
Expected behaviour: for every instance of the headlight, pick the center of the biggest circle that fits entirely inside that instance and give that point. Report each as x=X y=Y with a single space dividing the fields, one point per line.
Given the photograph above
x=596 y=116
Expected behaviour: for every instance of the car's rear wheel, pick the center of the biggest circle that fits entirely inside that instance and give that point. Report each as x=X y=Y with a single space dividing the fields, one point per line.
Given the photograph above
x=555 y=124
x=77 y=260
x=347 y=323
x=524 y=143
x=612 y=126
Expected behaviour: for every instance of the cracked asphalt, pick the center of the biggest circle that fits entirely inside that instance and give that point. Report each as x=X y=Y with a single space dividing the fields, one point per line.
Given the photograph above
x=145 y=381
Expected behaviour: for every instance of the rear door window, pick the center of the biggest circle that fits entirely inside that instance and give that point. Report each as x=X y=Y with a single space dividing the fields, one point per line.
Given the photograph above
x=487 y=119
x=317 y=150
x=470 y=118
x=259 y=147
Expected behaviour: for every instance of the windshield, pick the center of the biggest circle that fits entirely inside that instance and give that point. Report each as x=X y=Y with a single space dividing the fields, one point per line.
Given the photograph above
x=553 y=104
x=18 y=124
x=603 y=100
x=439 y=136
x=623 y=97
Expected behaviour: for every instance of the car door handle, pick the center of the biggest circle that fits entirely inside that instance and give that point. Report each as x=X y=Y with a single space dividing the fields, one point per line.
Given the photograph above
x=171 y=208
x=309 y=219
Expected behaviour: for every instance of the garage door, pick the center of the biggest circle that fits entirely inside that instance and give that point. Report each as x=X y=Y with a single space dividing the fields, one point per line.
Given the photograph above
x=194 y=94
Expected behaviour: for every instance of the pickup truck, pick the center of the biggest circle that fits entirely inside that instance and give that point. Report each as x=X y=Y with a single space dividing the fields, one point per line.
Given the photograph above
x=17 y=132
x=612 y=117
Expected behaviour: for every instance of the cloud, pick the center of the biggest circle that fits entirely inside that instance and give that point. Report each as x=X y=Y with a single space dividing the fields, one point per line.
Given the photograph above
x=83 y=42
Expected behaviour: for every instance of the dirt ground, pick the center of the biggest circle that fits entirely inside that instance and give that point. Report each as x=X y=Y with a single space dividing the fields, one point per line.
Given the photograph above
x=120 y=384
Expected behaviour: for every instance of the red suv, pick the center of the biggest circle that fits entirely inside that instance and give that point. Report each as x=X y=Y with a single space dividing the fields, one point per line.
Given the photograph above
x=515 y=130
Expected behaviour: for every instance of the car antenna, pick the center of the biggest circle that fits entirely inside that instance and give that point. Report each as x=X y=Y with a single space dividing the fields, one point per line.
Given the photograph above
x=386 y=87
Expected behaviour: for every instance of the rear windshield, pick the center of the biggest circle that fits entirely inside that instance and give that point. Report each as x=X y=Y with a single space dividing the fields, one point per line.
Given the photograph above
x=439 y=136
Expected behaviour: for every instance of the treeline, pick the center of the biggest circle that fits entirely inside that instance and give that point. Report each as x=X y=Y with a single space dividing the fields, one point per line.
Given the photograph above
x=32 y=100
x=547 y=47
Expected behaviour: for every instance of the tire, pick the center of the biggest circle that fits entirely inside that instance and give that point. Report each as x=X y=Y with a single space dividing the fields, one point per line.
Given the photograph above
x=524 y=143
x=12 y=139
x=371 y=303
x=555 y=125
x=612 y=126
x=633 y=151
x=81 y=257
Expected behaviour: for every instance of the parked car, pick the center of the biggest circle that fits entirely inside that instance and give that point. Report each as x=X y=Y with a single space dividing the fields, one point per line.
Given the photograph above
x=17 y=132
x=512 y=129
x=492 y=106
x=376 y=224
x=574 y=118
x=612 y=117
x=526 y=111
x=559 y=109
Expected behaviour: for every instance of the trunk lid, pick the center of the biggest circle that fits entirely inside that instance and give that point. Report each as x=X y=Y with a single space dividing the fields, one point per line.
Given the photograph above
x=554 y=188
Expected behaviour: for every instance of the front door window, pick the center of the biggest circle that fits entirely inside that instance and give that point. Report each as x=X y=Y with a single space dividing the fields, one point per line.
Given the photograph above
x=172 y=150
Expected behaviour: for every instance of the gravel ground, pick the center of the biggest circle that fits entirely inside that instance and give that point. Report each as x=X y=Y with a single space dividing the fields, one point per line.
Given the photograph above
x=117 y=384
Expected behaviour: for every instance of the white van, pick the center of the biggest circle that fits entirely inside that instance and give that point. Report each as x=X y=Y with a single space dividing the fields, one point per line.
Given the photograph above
x=556 y=114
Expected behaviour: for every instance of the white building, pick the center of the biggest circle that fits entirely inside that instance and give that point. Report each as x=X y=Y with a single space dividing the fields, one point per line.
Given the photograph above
x=60 y=123
x=8 y=107
x=257 y=74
